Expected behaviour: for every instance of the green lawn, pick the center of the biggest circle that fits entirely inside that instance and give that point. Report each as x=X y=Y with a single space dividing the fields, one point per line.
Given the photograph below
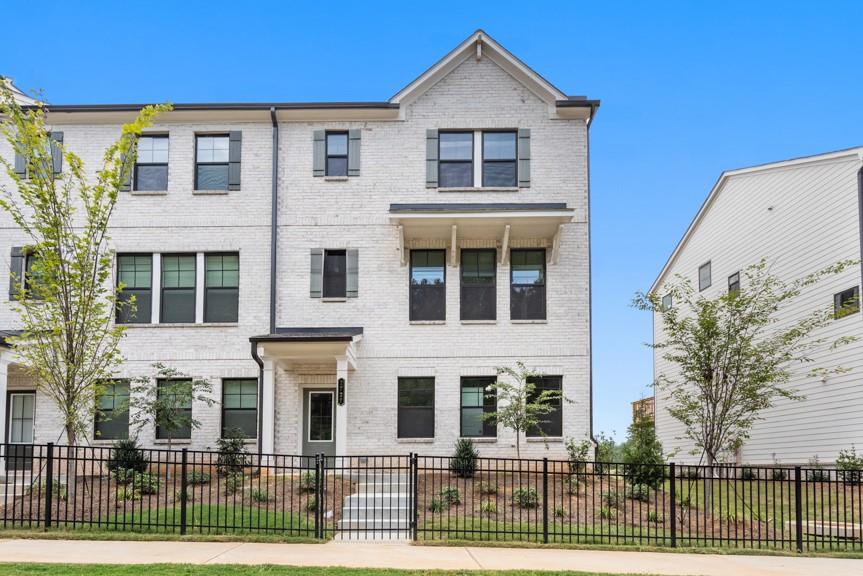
x=216 y=570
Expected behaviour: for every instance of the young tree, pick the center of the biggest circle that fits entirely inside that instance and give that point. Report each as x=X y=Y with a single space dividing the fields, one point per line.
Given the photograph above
x=167 y=407
x=733 y=354
x=69 y=342
x=642 y=454
x=520 y=407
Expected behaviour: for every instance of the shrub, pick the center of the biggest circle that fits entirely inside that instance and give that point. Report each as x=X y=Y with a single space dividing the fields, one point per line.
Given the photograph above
x=684 y=501
x=233 y=482
x=690 y=472
x=58 y=490
x=640 y=492
x=146 y=483
x=559 y=512
x=488 y=508
x=654 y=518
x=525 y=497
x=571 y=483
x=312 y=504
x=606 y=513
x=178 y=495
x=779 y=474
x=606 y=453
x=309 y=482
x=125 y=494
x=578 y=455
x=850 y=466
x=436 y=505
x=487 y=488
x=260 y=496
x=450 y=496
x=612 y=499
x=463 y=461
x=233 y=456
x=748 y=474
x=816 y=472
x=127 y=455
x=642 y=455
x=196 y=477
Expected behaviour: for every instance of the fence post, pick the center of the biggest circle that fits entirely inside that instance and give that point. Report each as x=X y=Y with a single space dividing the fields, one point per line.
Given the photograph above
x=318 y=496
x=798 y=508
x=49 y=486
x=673 y=506
x=414 y=494
x=184 y=480
x=545 y=500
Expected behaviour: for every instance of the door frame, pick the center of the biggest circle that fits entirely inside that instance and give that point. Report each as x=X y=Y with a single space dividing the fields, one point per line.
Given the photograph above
x=8 y=416
x=26 y=458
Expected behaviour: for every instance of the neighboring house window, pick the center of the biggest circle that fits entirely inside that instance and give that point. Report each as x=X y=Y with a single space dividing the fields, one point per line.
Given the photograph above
x=240 y=406
x=151 y=165
x=337 y=153
x=222 y=288
x=476 y=404
x=184 y=432
x=734 y=283
x=455 y=168
x=428 y=285
x=551 y=424
x=335 y=274
x=704 y=279
x=478 y=286
x=416 y=408
x=112 y=418
x=211 y=162
x=527 y=284
x=499 y=159
x=846 y=302
x=178 y=288
x=667 y=302
x=135 y=273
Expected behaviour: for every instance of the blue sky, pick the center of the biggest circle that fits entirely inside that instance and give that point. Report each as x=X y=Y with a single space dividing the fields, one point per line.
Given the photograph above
x=688 y=89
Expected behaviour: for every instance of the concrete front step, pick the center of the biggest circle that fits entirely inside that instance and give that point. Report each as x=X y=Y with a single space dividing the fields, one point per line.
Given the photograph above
x=376 y=513
x=374 y=536
x=361 y=525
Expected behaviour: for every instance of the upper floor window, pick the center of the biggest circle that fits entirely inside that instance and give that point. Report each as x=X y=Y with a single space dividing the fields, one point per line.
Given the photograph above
x=551 y=424
x=499 y=159
x=212 y=155
x=667 y=302
x=178 y=288
x=32 y=281
x=222 y=288
x=478 y=285
x=111 y=421
x=456 y=160
x=135 y=274
x=335 y=274
x=428 y=285
x=846 y=302
x=734 y=283
x=151 y=165
x=337 y=153
x=704 y=278
x=527 y=284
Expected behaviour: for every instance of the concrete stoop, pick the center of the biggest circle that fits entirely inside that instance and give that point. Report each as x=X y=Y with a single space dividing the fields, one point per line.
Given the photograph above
x=378 y=510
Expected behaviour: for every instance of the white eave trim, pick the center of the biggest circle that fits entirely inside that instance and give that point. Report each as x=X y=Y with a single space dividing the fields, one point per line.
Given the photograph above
x=564 y=215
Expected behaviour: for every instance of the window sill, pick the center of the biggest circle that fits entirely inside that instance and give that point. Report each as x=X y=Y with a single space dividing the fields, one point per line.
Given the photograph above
x=175 y=442
x=335 y=299
x=529 y=321
x=540 y=439
x=335 y=178
x=149 y=192
x=427 y=322
x=210 y=192
x=478 y=321
x=184 y=325
x=415 y=440
x=479 y=439
x=481 y=189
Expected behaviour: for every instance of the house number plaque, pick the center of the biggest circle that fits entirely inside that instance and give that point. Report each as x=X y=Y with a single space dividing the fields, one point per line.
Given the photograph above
x=340 y=394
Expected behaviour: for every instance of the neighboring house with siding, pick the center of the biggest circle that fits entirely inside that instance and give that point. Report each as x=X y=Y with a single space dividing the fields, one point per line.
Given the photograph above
x=801 y=215
x=348 y=275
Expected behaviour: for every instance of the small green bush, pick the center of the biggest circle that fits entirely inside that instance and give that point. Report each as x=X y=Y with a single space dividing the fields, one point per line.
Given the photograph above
x=123 y=475
x=260 y=496
x=850 y=466
x=233 y=482
x=559 y=512
x=58 y=490
x=178 y=495
x=578 y=454
x=450 y=496
x=779 y=474
x=642 y=455
x=233 y=456
x=816 y=472
x=126 y=494
x=488 y=508
x=126 y=454
x=606 y=513
x=146 y=483
x=487 y=488
x=571 y=484
x=640 y=492
x=309 y=482
x=525 y=497
x=612 y=499
x=312 y=504
x=684 y=501
x=748 y=474
x=197 y=477
x=654 y=518
x=463 y=461
x=436 y=505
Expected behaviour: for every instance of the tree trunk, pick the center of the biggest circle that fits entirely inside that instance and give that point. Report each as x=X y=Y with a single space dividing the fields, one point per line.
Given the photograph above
x=708 y=486
x=518 y=444
x=71 y=462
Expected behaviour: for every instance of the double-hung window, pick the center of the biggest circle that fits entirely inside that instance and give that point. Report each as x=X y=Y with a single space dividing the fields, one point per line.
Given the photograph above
x=212 y=162
x=704 y=277
x=455 y=168
x=428 y=285
x=181 y=412
x=478 y=286
x=416 y=408
x=222 y=287
x=846 y=302
x=112 y=416
x=151 y=165
x=335 y=274
x=734 y=283
x=240 y=406
x=135 y=275
x=551 y=423
x=178 y=288
x=478 y=403
x=337 y=154
x=527 y=284
x=499 y=159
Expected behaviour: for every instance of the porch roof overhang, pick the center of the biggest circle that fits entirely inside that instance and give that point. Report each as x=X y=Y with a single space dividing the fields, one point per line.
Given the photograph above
x=309 y=345
x=467 y=225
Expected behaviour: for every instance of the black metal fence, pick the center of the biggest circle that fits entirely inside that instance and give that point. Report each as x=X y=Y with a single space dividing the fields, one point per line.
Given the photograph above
x=425 y=497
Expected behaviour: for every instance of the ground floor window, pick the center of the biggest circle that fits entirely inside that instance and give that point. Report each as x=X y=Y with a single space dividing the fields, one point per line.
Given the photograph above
x=112 y=416
x=182 y=413
x=240 y=407
x=416 y=408
x=552 y=423
x=477 y=402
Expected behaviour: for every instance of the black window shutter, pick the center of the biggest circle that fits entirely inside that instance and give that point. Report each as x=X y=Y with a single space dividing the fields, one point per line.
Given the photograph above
x=234 y=155
x=56 y=139
x=16 y=271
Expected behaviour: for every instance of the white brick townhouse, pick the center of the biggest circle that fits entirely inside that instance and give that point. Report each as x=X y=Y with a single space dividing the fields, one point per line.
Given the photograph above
x=349 y=275
x=801 y=215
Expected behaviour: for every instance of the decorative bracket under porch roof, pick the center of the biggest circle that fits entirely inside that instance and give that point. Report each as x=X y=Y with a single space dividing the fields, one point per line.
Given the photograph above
x=471 y=225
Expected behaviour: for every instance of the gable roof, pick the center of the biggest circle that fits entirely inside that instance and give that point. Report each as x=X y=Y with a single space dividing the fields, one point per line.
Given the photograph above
x=723 y=179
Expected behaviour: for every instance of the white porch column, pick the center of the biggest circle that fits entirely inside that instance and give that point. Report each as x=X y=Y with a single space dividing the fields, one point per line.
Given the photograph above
x=4 y=425
x=342 y=410
x=268 y=405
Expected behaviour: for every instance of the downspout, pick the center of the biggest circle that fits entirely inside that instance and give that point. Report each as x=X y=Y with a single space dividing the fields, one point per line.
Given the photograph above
x=593 y=108
x=274 y=225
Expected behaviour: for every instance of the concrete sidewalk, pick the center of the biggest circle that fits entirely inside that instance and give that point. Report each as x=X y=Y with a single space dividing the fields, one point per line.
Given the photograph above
x=403 y=555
